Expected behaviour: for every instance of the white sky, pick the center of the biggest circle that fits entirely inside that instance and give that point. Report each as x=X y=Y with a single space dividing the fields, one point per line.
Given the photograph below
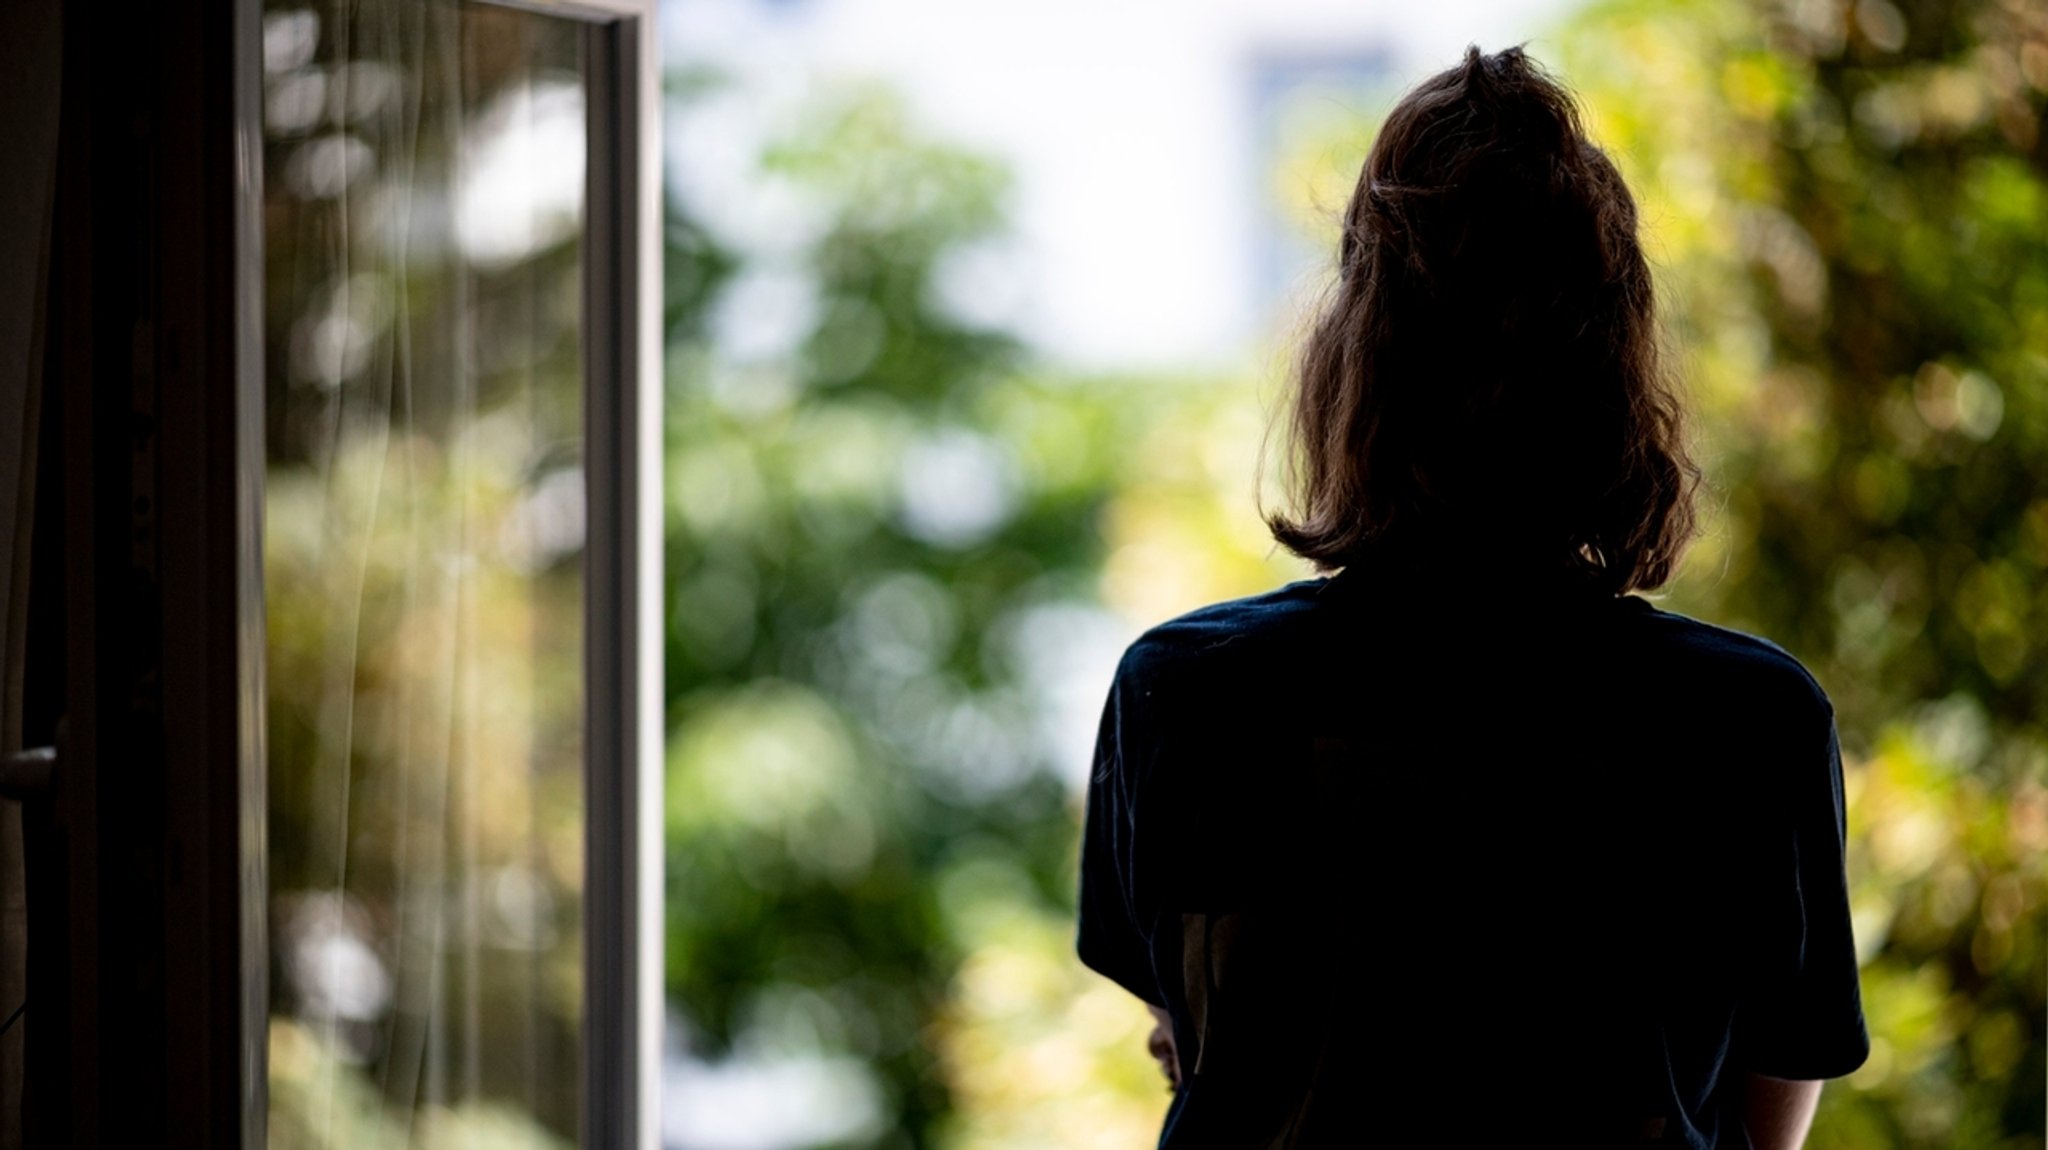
x=1127 y=124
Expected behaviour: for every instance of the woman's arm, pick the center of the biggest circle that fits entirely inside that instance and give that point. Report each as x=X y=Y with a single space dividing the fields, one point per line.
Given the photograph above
x=1778 y=1111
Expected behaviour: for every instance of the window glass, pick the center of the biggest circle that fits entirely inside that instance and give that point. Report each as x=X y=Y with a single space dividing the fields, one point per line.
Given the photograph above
x=424 y=527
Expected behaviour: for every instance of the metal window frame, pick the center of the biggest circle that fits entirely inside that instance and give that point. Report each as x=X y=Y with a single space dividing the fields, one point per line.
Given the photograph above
x=622 y=574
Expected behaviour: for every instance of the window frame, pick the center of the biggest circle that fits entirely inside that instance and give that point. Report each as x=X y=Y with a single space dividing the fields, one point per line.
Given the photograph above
x=623 y=592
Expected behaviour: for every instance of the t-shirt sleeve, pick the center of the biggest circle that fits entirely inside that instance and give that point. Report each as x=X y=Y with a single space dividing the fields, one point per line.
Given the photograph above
x=1111 y=940
x=1806 y=1019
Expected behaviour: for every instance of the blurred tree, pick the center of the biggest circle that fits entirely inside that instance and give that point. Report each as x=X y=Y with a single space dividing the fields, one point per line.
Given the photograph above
x=877 y=514
x=878 y=527
x=1850 y=201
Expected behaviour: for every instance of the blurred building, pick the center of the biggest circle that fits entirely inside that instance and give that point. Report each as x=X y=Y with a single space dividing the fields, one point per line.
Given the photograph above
x=1144 y=137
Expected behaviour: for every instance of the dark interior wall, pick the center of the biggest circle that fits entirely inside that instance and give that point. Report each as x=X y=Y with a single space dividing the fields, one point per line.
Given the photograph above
x=29 y=81
x=138 y=945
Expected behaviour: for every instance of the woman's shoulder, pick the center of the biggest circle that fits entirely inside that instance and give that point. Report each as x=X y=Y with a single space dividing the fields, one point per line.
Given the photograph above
x=1221 y=631
x=1723 y=658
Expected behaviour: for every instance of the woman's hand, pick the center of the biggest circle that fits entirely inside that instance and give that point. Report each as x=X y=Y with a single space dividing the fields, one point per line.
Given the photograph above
x=1159 y=1044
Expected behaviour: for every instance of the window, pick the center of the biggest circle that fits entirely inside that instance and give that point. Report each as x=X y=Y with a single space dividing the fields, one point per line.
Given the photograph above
x=452 y=569
x=344 y=533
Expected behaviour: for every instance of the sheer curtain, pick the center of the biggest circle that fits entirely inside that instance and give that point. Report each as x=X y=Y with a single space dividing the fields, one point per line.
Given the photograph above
x=424 y=529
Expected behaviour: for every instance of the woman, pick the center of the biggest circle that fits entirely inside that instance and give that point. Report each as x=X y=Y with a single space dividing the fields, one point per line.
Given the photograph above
x=1467 y=843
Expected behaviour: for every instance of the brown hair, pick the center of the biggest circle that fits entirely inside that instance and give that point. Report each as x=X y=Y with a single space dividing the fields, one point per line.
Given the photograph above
x=1483 y=379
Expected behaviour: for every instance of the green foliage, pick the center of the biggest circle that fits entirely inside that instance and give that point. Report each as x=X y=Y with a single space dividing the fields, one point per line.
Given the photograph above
x=1851 y=206
x=1847 y=208
x=862 y=525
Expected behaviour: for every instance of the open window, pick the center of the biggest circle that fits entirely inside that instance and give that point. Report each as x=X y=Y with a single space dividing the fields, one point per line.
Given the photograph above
x=345 y=580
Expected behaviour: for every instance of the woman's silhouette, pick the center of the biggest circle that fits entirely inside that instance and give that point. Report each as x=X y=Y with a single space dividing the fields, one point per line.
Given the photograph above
x=1467 y=844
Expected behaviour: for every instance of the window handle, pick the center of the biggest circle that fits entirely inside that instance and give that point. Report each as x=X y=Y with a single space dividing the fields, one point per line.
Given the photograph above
x=27 y=773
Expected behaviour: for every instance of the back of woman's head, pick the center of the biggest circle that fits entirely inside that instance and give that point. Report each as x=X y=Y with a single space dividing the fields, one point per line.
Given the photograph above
x=1483 y=379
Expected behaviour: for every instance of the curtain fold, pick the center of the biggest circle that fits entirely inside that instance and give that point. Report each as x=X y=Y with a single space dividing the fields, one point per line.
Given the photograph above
x=424 y=572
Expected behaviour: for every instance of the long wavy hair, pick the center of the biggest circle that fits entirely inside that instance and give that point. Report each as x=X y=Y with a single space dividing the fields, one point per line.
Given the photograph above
x=1483 y=379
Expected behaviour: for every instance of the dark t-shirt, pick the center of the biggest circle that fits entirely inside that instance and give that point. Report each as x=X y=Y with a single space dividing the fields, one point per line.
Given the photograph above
x=1414 y=865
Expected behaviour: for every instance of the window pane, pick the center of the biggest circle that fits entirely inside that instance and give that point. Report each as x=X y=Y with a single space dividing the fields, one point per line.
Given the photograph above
x=424 y=572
